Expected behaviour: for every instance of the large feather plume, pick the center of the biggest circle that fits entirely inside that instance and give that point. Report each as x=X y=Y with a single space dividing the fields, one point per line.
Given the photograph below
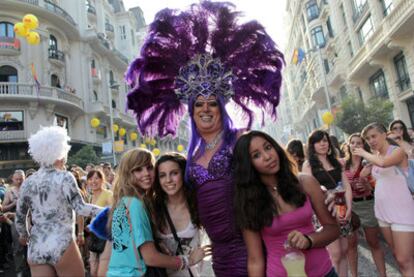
x=175 y=37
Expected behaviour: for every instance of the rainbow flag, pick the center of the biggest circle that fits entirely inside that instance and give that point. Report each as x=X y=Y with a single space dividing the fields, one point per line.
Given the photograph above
x=37 y=83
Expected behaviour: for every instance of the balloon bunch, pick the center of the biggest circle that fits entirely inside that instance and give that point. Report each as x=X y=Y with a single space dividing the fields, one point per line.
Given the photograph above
x=24 y=29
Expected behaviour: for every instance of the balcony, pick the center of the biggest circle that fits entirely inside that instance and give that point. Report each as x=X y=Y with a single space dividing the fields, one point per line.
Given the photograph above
x=91 y=9
x=9 y=46
x=49 y=11
x=98 y=108
x=13 y=136
x=56 y=56
x=20 y=91
x=59 y=11
x=403 y=84
x=104 y=41
x=110 y=30
x=120 y=56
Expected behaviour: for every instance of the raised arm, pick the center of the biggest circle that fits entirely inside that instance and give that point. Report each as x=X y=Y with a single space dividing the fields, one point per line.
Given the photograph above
x=75 y=199
x=8 y=202
x=395 y=158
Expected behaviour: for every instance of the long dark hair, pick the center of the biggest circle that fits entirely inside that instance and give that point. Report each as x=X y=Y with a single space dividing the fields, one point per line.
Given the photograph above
x=295 y=148
x=158 y=197
x=253 y=204
x=405 y=135
x=348 y=154
x=314 y=162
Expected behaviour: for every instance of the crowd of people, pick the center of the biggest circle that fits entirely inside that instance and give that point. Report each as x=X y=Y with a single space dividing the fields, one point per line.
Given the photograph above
x=255 y=200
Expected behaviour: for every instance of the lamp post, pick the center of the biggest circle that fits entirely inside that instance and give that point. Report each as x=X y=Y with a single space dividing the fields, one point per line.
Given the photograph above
x=111 y=122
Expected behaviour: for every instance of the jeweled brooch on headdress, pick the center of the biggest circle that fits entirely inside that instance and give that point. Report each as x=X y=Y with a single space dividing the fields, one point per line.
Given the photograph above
x=204 y=76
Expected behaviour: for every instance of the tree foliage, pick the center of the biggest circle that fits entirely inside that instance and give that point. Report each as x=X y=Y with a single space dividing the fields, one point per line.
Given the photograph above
x=354 y=115
x=84 y=156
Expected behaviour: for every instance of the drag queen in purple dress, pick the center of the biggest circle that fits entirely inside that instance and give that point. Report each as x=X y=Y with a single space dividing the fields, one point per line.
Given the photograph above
x=204 y=58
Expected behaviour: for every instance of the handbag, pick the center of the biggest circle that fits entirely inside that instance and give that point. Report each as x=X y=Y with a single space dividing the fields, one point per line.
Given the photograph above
x=177 y=239
x=410 y=176
x=151 y=271
x=96 y=244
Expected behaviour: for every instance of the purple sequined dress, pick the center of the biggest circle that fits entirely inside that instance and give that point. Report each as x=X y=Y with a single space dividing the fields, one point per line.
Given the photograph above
x=215 y=191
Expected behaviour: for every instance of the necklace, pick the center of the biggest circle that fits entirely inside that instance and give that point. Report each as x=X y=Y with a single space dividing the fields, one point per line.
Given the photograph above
x=214 y=142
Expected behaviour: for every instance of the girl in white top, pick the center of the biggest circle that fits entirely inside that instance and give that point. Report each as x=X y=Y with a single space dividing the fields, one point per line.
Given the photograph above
x=172 y=197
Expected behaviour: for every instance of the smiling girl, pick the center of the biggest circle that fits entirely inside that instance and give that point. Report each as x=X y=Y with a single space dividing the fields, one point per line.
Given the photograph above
x=133 y=247
x=173 y=198
x=274 y=204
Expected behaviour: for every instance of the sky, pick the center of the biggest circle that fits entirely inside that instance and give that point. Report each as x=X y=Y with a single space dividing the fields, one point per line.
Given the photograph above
x=269 y=13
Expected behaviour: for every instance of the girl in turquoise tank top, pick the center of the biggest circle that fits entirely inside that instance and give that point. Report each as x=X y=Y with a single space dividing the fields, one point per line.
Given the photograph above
x=275 y=205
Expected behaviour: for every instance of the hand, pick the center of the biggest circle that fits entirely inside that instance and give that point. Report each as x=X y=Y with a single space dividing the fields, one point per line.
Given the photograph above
x=359 y=152
x=297 y=240
x=198 y=254
x=23 y=241
x=360 y=187
x=366 y=170
x=395 y=137
x=347 y=218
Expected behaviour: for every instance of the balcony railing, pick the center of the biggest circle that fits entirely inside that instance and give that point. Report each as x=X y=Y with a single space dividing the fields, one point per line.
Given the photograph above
x=90 y=9
x=29 y=90
x=59 y=11
x=33 y=2
x=104 y=41
x=10 y=43
x=56 y=54
x=404 y=84
x=109 y=27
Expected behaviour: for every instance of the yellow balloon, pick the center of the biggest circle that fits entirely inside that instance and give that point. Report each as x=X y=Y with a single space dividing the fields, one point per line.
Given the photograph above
x=20 y=30
x=30 y=21
x=115 y=128
x=147 y=140
x=133 y=136
x=143 y=146
x=327 y=118
x=180 y=148
x=156 y=152
x=153 y=142
x=122 y=132
x=95 y=122
x=33 y=38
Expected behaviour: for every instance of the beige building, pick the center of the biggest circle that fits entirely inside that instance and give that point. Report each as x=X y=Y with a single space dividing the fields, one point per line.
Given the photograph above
x=80 y=62
x=357 y=48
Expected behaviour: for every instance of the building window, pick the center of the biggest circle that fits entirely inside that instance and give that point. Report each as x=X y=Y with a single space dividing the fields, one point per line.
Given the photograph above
x=329 y=27
x=62 y=121
x=326 y=66
x=403 y=81
x=111 y=78
x=358 y=7
x=351 y=50
x=11 y=120
x=378 y=84
x=122 y=32
x=113 y=104
x=359 y=91
x=54 y=81
x=366 y=30
x=312 y=10
x=387 y=6
x=6 y=29
x=53 y=45
x=8 y=74
x=318 y=38
x=343 y=15
x=302 y=21
x=95 y=96
x=133 y=37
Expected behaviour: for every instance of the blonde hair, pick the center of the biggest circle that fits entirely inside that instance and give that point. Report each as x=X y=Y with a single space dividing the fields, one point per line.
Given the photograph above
x=125 y=182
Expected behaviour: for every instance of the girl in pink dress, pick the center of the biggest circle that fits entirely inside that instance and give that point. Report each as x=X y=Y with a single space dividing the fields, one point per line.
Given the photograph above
x=394 y=204
x=275 y=205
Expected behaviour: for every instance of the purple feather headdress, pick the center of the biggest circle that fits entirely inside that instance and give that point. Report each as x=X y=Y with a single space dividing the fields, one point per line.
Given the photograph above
x=249 y=60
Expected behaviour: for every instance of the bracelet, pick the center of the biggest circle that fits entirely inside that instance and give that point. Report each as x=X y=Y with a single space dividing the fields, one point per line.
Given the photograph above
x=310 y=242
x=184 y=260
